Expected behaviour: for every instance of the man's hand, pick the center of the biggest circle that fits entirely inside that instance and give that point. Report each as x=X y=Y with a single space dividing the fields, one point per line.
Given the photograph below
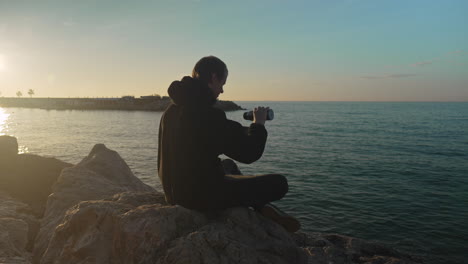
x=260 y=115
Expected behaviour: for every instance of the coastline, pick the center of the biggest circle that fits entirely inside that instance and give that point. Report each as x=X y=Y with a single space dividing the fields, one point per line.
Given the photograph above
x=126 y=103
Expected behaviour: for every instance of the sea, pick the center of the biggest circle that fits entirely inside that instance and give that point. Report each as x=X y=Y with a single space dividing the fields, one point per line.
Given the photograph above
x=389 y=172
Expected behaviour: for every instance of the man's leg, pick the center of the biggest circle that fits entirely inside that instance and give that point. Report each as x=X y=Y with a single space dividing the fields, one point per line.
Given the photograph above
x=257 y=192
x=254 y=191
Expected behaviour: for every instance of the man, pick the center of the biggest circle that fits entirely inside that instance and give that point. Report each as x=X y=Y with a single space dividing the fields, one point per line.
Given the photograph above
x=192 y=134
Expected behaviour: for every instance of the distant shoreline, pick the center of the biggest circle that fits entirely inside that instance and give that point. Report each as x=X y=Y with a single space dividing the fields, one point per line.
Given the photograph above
x=126 y=103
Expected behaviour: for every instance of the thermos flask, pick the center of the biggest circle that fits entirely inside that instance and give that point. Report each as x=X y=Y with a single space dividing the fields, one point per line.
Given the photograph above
x=249 y=115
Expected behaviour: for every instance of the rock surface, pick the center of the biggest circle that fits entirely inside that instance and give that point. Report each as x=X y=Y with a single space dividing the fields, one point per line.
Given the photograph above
x=335 y=248
x=100 y=213
x=101 y=174
x=26 y=177
x=17 y=230
x=114 y=232
x=8 y=147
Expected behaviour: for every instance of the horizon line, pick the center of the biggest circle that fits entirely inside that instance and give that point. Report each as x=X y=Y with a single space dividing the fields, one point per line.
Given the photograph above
x=322 y=101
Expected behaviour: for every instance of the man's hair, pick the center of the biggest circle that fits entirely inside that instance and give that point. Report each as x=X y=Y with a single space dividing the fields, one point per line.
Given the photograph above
x=206 y=66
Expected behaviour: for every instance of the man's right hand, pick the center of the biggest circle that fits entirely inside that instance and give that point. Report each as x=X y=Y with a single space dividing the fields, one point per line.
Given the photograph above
x=260 y=115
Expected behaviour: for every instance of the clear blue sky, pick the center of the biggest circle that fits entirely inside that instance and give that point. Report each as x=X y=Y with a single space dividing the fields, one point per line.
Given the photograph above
x=351 y=50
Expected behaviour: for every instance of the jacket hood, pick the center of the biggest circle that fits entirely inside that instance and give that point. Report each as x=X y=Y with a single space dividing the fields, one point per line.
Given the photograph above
x=189 y=91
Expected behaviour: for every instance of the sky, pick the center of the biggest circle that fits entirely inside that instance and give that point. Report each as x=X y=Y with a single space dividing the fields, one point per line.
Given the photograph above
x=275 y=50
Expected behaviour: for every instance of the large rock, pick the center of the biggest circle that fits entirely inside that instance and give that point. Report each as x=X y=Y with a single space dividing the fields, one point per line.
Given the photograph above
x=26 y=177
x=140 y=228
x=29 y=178
x=117 y=231
x=100 y=213
x=103 y=173
x=8 y=147
x=18 y=228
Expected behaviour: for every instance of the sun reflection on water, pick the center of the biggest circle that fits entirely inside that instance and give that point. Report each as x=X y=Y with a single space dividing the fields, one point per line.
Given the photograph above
x=3 y=121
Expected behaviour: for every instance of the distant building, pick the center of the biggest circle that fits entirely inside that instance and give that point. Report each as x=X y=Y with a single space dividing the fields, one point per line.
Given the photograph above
x=128 y=98
x=151 y=97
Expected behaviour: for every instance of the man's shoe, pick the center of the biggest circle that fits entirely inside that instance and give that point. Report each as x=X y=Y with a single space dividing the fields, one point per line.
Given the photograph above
x=290 y=223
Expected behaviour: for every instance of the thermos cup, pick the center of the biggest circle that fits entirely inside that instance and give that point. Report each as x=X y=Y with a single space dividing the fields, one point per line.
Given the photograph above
x=249 y=115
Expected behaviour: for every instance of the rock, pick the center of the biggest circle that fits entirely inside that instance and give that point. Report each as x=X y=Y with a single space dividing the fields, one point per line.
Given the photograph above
x=146 y=230
x=335 y=248
x=100 y=213
x=100 y=175
x=8 y=147
x=39 y=173
x=238 y=235
x=17 y=230
x=227 y=106
x=13 y=237
x=112 y=231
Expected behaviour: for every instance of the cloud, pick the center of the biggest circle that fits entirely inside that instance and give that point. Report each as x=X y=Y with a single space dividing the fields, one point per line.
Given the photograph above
x=390 y=76
x=441 y=58
x=455 y=52
x=422 y=63
x=372 y=77
x=438 y=59
x=402 y=75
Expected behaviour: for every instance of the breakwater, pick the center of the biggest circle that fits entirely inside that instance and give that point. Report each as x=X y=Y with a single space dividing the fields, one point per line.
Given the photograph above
x=128 y=103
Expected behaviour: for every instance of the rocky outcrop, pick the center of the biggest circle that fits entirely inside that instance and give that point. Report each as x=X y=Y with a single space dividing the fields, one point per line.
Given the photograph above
x=18 y=227
x=100 y=213
x=102 y=174
x=227 y=106
x=113 y=231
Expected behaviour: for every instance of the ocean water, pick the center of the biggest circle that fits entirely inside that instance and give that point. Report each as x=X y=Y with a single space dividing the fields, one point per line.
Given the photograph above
x=396 y=173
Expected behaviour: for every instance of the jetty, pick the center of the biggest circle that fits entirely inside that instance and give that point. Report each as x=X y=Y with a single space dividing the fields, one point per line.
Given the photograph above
x=128 y=103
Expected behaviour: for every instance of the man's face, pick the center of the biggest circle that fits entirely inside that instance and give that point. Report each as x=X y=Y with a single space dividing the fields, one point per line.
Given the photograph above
x=216 y=84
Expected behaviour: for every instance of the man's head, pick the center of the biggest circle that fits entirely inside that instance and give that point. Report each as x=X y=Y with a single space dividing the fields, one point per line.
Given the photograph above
x=213 y=72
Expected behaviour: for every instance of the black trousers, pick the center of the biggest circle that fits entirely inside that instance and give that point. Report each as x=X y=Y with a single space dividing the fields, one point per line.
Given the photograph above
x=241 y=190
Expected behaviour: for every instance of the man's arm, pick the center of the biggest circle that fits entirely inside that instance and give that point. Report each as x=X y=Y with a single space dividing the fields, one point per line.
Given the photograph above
x=243 y=144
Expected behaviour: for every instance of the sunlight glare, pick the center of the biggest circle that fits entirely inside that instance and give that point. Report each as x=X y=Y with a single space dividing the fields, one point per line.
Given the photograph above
x=3 y=118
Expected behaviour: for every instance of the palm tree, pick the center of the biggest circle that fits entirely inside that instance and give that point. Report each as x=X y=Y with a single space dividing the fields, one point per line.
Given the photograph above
x=19 y=93
x=31 y=92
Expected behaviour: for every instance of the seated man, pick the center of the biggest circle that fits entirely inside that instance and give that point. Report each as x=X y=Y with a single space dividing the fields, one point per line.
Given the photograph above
x=192 y=134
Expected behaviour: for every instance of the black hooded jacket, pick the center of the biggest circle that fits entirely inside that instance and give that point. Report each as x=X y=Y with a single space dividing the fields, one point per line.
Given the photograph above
x=192 y=134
